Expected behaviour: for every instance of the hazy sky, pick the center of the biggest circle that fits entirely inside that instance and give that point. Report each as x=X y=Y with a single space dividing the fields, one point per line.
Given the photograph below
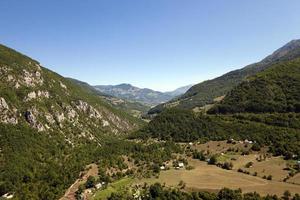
x=159 y=44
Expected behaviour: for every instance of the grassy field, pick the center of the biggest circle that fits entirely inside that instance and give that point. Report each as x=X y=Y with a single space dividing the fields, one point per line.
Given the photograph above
x=216 y=147
x=212 y=178
x=117 y=186
x=295 y=179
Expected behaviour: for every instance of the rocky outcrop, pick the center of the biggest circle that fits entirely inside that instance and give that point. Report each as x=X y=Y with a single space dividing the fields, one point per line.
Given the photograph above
x=88 y=109
x=39 y=94
x=3 y=104
x=32 y=79
x=30 y=117
x=62 y=85
x=6 y=115
x=71 y=113
x=49 y=118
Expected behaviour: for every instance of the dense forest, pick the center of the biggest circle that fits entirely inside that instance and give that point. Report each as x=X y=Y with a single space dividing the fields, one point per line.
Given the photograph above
x=185 y=126
x=35 y=167
x=276 y=89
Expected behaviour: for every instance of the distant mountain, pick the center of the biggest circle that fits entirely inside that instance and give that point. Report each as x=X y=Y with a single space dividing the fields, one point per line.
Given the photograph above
x=49 y=128
x=213 y=90
x=179 y=91
x=133 y=108
x=143 y=95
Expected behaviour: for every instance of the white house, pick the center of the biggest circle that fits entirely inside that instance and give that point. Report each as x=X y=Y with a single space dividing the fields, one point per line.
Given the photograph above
x=98 y=186
x=8 y=196
x=181 y=165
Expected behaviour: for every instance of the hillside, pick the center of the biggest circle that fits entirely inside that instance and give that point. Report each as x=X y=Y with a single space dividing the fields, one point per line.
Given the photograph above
x=206 y=92
x=49 y=128
x=264 y=108
x=142 y=95
x=135 y=109
x=276 y=89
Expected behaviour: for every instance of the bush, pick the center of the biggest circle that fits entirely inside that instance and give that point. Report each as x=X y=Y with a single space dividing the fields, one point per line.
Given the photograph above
x=249 y=164
x=91 y=182
x=227 y=166
x=213 y=160
x=270 y=177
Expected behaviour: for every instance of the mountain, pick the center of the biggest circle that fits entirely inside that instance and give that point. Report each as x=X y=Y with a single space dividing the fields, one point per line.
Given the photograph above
x=276 y=89
x=49 y=128
x=145 y=96
x=213 y=90
x=135 y=109
x=263 y=108
x=179 y=91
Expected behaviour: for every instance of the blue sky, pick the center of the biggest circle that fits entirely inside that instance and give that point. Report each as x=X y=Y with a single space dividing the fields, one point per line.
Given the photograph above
x=159 y=44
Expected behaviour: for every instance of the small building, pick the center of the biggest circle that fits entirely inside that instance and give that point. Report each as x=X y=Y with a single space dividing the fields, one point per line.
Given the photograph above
x=98 y=186
x=181 y=165
x=162 y=167
x=8 y=196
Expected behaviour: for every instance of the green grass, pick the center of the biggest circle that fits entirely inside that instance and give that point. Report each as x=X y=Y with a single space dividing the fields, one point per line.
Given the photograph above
x=117 y=186
x=225 y=157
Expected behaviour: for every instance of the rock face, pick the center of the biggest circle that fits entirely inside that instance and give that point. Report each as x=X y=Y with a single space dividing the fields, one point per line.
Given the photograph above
x=31 y=79
x=36 y=97
x=3 y=104
x=6 y=115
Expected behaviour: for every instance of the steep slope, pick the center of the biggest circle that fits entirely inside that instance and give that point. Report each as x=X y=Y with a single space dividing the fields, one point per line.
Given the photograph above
x=135 y=109
x=277 y=89
x=49 y=128
x=207 y=91
x=128 y=92
x=264 y=108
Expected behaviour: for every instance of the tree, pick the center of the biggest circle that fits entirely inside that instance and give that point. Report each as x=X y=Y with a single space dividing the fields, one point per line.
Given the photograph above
x=213 y=160
x=91 y=182
x=252 y=196
x=286 y=195
x=228 y=194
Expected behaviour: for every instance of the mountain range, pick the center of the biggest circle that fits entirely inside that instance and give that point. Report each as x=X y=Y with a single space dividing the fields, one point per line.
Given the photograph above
x=136 y=109
x=142 y=95
x=214 y=90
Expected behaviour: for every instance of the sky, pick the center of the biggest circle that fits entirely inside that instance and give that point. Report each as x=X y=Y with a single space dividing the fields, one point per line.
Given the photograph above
x=158 y=44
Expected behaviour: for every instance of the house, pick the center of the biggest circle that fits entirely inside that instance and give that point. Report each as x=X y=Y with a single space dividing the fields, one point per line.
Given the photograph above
x=181 y=165
x=8 y=196
x=162 y=167
x=98 y=186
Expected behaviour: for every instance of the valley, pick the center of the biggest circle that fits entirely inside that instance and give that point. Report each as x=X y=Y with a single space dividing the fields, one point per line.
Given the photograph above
x=62 y=138
x=198 y=175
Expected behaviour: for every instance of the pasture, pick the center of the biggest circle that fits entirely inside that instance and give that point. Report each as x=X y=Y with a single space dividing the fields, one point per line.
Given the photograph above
x=212 y=178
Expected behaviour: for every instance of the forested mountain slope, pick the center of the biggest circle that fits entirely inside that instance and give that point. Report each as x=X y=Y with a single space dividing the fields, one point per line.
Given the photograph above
x=49 y=128
x=276 y=89
x=264 y=108
x=205 y=92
